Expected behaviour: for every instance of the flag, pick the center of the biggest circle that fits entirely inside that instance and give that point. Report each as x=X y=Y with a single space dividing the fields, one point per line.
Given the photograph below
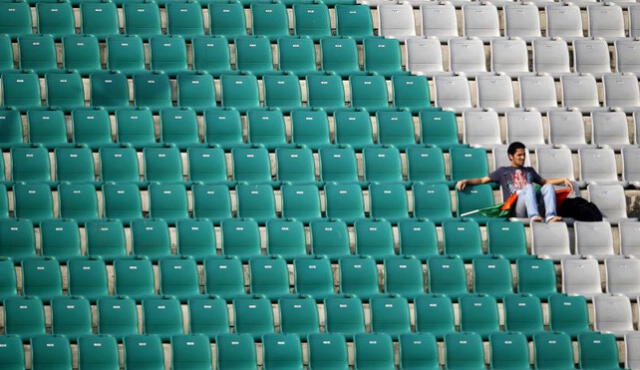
x=504 y=209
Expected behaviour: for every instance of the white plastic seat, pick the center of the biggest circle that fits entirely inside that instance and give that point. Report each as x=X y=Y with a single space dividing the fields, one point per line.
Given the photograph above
x=481 y=128
x=593 y=239
x=632 y=350
x=525 y=127
x=567 y=128
x=580 y=91
x=424 y=56
x=439 y=20
x=634 y=20
x=621 y=91
x=564 y=20
x=581 y=275
x=623 y=276
x=591 y=56
x=509 y=56
x=628 y=56
x=598 y=165
x=550 y=240
x=521 y=20
x=538 y=92
x=612 y=313
x=396 y=20
x=631 y=165
x=466 y=55
x=610 y=200
x=452 y=92
x=629 y=235
x=495 y=92
x=555 y=163
x=481 y=20
x=606 y=20
x=610 y=128
x=551 y=56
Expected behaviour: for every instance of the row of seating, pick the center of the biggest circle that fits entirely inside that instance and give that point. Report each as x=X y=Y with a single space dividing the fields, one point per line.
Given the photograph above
x=269 y=275
x=324 y=351
x=389 y=314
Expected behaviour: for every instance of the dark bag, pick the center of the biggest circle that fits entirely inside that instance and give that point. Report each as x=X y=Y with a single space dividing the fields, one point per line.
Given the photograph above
x=580 y=209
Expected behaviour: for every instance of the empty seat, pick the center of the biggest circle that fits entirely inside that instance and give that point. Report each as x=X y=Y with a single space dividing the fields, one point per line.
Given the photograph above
x=396 y=20
x=20 y=90
x=344 y=314
x=60 y=239
x=309 y=127
x=190 y=351
x=565 y=128
x=374 y=237
x=168 y=54
x=550 y=56
x=223 y=127
x=208 y=316
x=382 y=163
x=256 y=201
x=240 y=92
x=235 y=351
x=125 y=54
x=184 y=19
x=64 y=90
x=312 y=20
x=211 y=202
x=410 y=92
x=227 y=19
x=591 y=56
x=87 y=277
x=462 y=238
x=373 y=351
x=99 y=19
x=523 y=313
x=152 y=90
x=240 y=237
x=479 y=314
x=142 y=19
x=269 y=276
x=464 y=349
x=37 y=52
x=282 y=91
x=612 y=313
x=610 y=128
x=47 y=127
x=481 y=20
x=564 y=20
x=403 y=276
x=109 y=89
x=71 y=316
x=143 y=351
x=550 y=240
x=382 y=56
x=610 y=199
x=434 y=314
x=313 y=276
x=105 y=238
x=134 y=277
x=555 y=162
x=211 y=53
x=439 y=20
x=368 y=92
x=447 y=276
x=327 y=351
x=536 y=276
x=438 y=128
x=51 y=351
x=269 y=19
x=492 y=275
x=358 y=276
x=81 y=53
x=597 y=165
x=598 y=351
x=224 y=277
x=33 y=201
x=162 y=316
x=631 y=349
x=621 y=91
x=266 y=127
x=452 y=92
x=521 y=20
x=179 y=126
x=509 y=56
x=432 y=201
x=253 y=54
x=301 y=202
x=253 y=314
x=425 y=164
x=525 y=127
x=56 y=19
x=11 y=122
x=580 y=91
x=629 y=165
x=117 y=316
x=119 y=164
x=466 y=56
x=581 y=276
x=509 y=349
x=388 y=201
x=424 y=56
x=15 y=19
x=298 y=315
x=41 y=278
x=468 y=163
x=627 y=52
x=568 y=314
x=622 y=277
x=281 y=351
x=207 y=164
x=325 y=91
x=495 y=92
x=353 y=20
x=196 y=238
x=538 y=92
x=162 y=164
x=481 y=128
x=297 y=54
x=24 y=316
x=91 y=127
x=593 y=239
x=353 y=127
x=606 y=21
x=552 y=350
x=12 y=352
x=179 y=277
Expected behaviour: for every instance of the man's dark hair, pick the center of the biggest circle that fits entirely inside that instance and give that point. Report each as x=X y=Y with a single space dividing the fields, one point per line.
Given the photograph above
x=513 y=147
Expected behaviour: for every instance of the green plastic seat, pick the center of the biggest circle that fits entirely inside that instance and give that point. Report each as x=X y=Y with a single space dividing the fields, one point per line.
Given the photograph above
x=8 y=283
x=142 y=19
x=312 y=19
x=240 y=237
x=266 y=127
x=60 y=239
x=81 y=53
x=64 y=90
x=143 y=352
x=418 y=238
x=91 y=127
x=388 y=201
x=11 y=352
x=438 y=128
x=87 y=277
x=179 y=277
x=55 y=18
x=269 y=277
x=211 y=54
x=468 y=163
x=4 y=202
x=395 y=127
x=463 y=351
x=403 y=276
x=462 y=238
x=358 y=276
x=374 y=237
x=184 y=18
x=253 y=315
x=190 y=352
x=568 y=314
x=310 y=127
x=418 y=351
x=223 y=127
x=10 y=128
x=240 y=91
x=479 y=314
x=256 y=201
x=37 y=53
x=281 y=351
x=325 y=91
x=282 y=91
x=447 y=276
x=344 y=201
x=98 y=352
x=109 y=90
x=150 y=238
x=119 y=164
x=47 y=128
x=23 y=316
x=492 y=275
x=179 y=126
x=286 y=238
x=301 y=201
x=269 y=19
x=152 y=89
x=211 y=202
x=18 y=238
x=313 y=276
x=473 y=198
x=236 y=351
x=162 y=164
x=20 y=90
x=382 y=163
x=41 y=277
x=117 y=316
x=122 y=201
x=411 y=92
x=329 y=237
x=6 y=50
x=328 y=352
x=162 y=316
x=253 y=55
x=509 y=351
x=251 y=164
x=196 y=238
x=373 y=351
x=353 y=20
x=390 y=315
x=553 y=350
x=227 y=19
x=224 y=276
x=296 y=54
x=168 y=54
x=207 y=164
x=208 y=316
x=134 y=277
x=71 y=316
x=15 y=19
x=30 y=164
x=33 y=201
x=353 y=127
x=434 y=314
x=196 y=91
x=295 y=165
x=99 y=19
x=339 y=55
x=536 y=276
x=598 y=351
x=344 y=315
x=125 y=53
x=338 y=163
x=507 y=239
x=523 y=313
x=382 y=55
x=51 y=352
x=298 y=315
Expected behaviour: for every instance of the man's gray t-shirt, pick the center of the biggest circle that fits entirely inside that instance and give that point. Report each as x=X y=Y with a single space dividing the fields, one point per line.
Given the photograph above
x=512 y=179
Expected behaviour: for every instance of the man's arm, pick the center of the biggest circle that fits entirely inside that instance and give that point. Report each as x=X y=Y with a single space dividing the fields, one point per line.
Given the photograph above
x=559 y=181
x=460 y=185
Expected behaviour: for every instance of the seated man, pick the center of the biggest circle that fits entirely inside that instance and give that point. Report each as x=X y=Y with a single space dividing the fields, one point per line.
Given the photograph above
x=519 y=179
